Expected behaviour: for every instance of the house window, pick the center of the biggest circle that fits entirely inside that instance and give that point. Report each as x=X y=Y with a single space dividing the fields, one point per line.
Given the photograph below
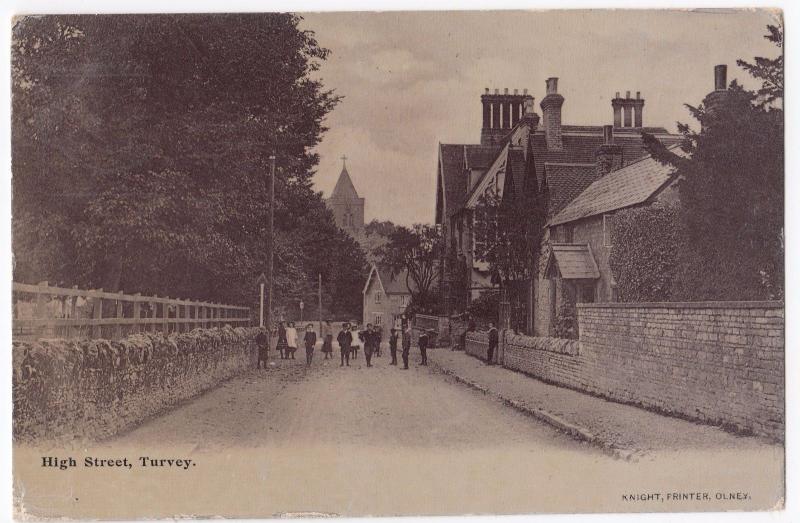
x=378 y=297
x=403 y=300
x=606 y=230
x=378 y=318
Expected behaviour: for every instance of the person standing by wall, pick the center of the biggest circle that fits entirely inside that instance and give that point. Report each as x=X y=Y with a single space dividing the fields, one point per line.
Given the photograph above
x=310 y=341
x=393 y=346
x=493 y=339
x=327 y=339
x=344 y=339
x=423 y=347
x=406 y=345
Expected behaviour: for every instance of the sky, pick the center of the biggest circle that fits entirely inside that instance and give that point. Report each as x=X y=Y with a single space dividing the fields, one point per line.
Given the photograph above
x=412 y=80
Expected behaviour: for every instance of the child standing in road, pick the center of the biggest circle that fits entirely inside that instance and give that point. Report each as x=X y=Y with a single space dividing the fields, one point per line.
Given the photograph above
x=291 y=340
x=282 y=346
x=310 y=340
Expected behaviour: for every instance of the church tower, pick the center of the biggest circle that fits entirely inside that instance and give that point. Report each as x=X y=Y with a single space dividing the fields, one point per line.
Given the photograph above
x=347 y=207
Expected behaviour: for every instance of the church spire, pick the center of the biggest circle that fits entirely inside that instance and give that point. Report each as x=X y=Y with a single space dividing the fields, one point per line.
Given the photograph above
x=344 y=186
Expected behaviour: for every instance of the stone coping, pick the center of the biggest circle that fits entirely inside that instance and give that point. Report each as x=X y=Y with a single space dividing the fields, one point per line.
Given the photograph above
x=685 y=305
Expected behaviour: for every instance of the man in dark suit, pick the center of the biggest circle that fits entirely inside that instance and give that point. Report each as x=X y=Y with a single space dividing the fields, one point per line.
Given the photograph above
x=369 y=343
x=423 y=347
x=493 y=338
x=345 y=339
x=406 y=346
x=393 y=346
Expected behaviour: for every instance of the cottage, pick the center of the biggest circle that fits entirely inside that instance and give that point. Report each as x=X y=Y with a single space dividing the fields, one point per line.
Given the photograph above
x=386 y=296
x=576 y=268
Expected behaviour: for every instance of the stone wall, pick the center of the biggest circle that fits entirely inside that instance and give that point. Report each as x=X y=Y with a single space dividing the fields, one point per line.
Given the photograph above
x=716 y=362
x=476 y=344
x=90 y=389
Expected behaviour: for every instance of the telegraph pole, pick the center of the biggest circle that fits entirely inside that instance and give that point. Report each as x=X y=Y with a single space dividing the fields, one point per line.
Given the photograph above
x=271 y=237
x=319 y=303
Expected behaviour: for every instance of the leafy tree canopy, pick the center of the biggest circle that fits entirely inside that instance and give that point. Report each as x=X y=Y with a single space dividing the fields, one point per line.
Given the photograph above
x=141 y=152
x=731 y=187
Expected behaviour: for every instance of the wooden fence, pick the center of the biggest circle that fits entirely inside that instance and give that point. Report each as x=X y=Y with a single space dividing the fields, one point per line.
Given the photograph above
x=41 y=311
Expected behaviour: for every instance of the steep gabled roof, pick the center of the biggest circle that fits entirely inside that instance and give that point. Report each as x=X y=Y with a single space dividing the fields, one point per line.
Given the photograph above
x=631 y=185
x=390 y=283
x=344 y=189
x=454 y=160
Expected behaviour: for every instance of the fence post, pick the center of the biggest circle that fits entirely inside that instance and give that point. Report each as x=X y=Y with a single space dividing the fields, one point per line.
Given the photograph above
x=118 y=315
x=97 y=314
x=165 y=312
x=137 y=313
x=73 y=330
x=505 y=323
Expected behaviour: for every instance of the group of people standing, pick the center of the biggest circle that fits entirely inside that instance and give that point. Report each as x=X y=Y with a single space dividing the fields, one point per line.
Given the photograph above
x=350 y=338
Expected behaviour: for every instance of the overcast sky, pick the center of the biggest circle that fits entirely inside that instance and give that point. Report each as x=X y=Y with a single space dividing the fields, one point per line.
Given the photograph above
x=412 y=80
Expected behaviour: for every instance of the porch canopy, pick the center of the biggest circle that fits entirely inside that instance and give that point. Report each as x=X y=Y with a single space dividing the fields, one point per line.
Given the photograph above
x=573 y=261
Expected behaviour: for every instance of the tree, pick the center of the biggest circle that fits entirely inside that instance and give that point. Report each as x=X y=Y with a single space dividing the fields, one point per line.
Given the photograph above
x=376 y=235
x=141 y=146
x=731 y=189
x=510 y=228
x=415 y=250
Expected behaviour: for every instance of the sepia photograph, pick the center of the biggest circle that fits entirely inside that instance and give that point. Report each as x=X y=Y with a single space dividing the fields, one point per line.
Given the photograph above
x=402 y=263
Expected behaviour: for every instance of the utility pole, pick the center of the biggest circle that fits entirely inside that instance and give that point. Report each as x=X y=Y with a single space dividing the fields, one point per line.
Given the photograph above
x=271 y=237
x=319 y=303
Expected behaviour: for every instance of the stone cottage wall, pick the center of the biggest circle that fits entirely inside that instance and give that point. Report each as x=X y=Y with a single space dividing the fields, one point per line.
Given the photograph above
x=716 y=362
x=91 y=389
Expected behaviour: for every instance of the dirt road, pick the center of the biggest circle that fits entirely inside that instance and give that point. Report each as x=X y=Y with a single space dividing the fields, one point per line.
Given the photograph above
x=379 y=441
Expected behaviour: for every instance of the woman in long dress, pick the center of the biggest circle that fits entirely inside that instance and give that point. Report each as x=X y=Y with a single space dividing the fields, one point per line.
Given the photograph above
x=291 y=340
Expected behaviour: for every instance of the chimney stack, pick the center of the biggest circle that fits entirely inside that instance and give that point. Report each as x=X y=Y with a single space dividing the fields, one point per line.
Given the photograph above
x=551 y=113
x=638 y=109
x=501 y=112
x=627 y=110
x=716 y=98
x=720 y=77
x=616 y=104
x=608 y=156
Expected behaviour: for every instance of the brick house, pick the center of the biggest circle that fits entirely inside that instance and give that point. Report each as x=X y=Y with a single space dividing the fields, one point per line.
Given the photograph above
x=517 y=156
x=386 y=296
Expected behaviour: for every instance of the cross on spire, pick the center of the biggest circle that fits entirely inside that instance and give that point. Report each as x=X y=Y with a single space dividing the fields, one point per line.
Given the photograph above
x=344 y=161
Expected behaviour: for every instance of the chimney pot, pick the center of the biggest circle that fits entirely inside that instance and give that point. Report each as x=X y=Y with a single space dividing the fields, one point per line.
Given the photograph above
x=627 y=95
x=720 y=77
x=552 y=85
